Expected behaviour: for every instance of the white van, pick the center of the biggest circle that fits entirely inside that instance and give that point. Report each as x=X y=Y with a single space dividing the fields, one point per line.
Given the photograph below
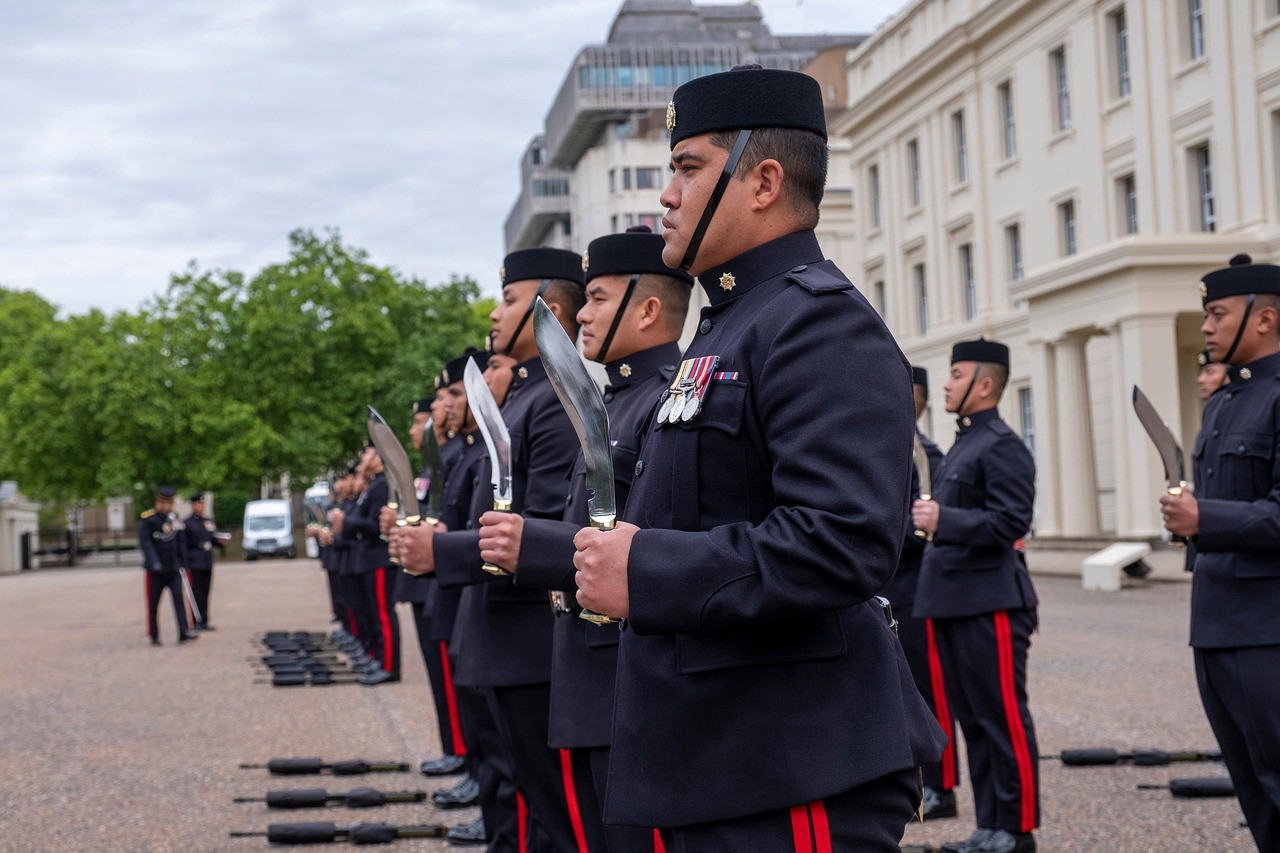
x=268 y=529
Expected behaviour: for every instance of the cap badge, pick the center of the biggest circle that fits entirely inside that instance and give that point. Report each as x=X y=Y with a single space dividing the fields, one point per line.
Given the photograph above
x=727 y=281
x=1202 y=359
x=445 y=374
x=1204 y=291
x=586 y=261
x=1246 y=373
x=624 y=371
x=671 y=116
x=502 y=274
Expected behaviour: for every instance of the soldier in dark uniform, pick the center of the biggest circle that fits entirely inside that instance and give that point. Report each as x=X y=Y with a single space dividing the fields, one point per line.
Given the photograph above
x=1210 y=375
x=763 y=701
x=635 y=311
x=976 y=592
x=201 y=540
x=370 y=554
x=162 y=541
x=916 y=633
x=468 y=492
x=1234 y=517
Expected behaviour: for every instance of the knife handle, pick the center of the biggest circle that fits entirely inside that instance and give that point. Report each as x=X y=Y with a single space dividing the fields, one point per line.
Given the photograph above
x=499 y=505
x=1177 y=541
x=394 y=506
x=599 y=619
x=924 y=534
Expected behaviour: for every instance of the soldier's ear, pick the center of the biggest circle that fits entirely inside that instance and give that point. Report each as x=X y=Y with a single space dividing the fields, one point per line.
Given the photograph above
x=1266 y=319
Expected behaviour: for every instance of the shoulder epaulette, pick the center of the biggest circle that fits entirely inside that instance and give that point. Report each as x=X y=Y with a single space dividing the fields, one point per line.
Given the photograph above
x=147 y=513
x=999 y=427
x=817 y=280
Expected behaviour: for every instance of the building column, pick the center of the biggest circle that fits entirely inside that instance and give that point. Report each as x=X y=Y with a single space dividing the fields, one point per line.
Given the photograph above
x=1044 y=397
x=1147 y=356
x=1078 y=485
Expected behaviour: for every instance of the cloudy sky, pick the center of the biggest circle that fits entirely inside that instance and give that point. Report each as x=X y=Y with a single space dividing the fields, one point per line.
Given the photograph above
x=139 y=135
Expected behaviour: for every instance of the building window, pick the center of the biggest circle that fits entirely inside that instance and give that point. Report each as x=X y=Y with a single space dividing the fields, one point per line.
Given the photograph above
x=1062 y=90
x=1009 y=137
x=537 y=153
x=913 y=173
x=967 y=282
x=1204 y=188
x=881 y=305
x=1027 y=414
x=873 y=191
x=1128 y=190
x=1195 y=28
x=1120 y=34
x=1067 y=222
x=613 y=224
x=613 y=180
x=648 y=178
x=653 y=221
x=922 y=298
x=962 y=147
x=626 y=177
x=1013 y=240
x=566 y=227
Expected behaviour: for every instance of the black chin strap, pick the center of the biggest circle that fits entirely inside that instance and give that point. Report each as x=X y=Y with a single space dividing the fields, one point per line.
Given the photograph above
x=617 y=317
x=730 y=166
x=542 y=288
x=977 y=367
x=1248 y=309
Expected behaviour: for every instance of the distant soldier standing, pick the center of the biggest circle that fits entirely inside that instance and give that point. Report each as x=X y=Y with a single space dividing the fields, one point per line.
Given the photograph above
x=976 y=591
x=201 y=534
x=163 y=547
x=1234 y=517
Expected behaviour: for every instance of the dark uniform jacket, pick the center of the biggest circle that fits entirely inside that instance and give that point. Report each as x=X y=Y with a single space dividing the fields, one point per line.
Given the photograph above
x=1235 y=591
x=985 y=492
x=163 y=542
x=515 y=646
x=342 y=544
x=756 y=672
x=369 y=551
x=200 y=542
x=584 y=662
x=901 y=591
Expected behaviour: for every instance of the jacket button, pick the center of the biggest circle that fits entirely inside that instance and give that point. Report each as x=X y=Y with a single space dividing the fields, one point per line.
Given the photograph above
x=1240 y=449
x=1215 y=433
x=1210 y=472
x=800 y=268
x=639 y=467
x=608 y=398
x=704 y=326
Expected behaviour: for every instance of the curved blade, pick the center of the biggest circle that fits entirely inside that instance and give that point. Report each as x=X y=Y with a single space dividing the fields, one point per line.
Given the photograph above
x=492 y=427
x=581 y=400
x=1166 y=445
x=434 y=466
x=395 y=462
x=921 y=459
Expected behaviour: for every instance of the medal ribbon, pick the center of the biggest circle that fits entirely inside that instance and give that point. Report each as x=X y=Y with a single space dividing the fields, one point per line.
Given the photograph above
x=701 y=373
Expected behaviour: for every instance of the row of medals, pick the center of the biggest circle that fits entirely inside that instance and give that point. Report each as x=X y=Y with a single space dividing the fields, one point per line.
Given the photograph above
x=682 y=404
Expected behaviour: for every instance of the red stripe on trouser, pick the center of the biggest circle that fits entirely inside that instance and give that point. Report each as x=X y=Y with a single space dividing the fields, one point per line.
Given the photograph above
x=387 y=653
x=522 y=824
x=809 y=828
x=455 y=725
x=571 y=800
x=658 y=846
x=1017 y=734
x=941 y=709
x=151 y=625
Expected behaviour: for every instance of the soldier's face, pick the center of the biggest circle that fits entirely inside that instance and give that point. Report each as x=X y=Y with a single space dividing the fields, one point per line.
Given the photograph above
x=164 y=506
x=695 y=168
x=197 y=507
x=957 y=384
x=506 y=315
x=1210 y=378
x=1221 y=320
x=456 y=406
x=604 y=294
x=498 y=376
x=440 y=408
x=415 y=429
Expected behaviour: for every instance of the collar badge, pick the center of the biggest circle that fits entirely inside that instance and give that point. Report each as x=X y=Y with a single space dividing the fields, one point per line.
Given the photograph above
x=727 y=281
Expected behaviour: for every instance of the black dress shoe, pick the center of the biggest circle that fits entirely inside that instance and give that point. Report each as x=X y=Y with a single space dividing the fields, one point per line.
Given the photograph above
x=979 y=836
x=938 y=804
x=372 y=679
x=188 y=635
x=1003 y=841
x=468 y=833
x=445 y=766
x=204 y=627
x=155 y=641
x=465 y=793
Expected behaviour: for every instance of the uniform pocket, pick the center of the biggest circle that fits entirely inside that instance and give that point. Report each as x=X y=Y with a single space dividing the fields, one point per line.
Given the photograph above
x=1254 y=567
x=1246 y=462
x=722 y=407
x=814 y=637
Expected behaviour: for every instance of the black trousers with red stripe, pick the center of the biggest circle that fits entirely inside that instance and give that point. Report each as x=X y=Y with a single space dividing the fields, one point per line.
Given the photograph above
x=435 y=655
x=201 y=584
x=985 y=659
x=921 y=649
x=156 y=584
x=355 y=595
x=379 y=588
x=866 y=819
x=590 y=772
x=523 y=716
x=490 y=765
x=1241 y=695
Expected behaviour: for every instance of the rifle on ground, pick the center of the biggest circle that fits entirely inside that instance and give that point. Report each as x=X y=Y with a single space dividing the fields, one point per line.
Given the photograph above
x=310 y=798
x=1139 y=757
x=1203 y=786
x=324 y=832
x=315 y=766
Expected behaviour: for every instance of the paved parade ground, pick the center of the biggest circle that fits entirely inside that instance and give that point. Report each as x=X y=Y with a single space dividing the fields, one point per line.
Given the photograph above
x=107 y=743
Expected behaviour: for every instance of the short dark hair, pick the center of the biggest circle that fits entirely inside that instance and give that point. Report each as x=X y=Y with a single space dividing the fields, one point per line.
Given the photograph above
x=803 y=155
x=570 y=296
x=671 y=292
x=998 y=373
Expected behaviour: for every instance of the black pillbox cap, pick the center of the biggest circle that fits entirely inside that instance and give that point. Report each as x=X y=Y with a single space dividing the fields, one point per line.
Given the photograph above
x=920 y=376
x=453 y=371
x=167 y=492
x=196 y=496
x=1203 y=359
x=424 y=404
x=746 y=98
x=992 y=352
x=541 y=263
x=1241 y=278
x=637 y=250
